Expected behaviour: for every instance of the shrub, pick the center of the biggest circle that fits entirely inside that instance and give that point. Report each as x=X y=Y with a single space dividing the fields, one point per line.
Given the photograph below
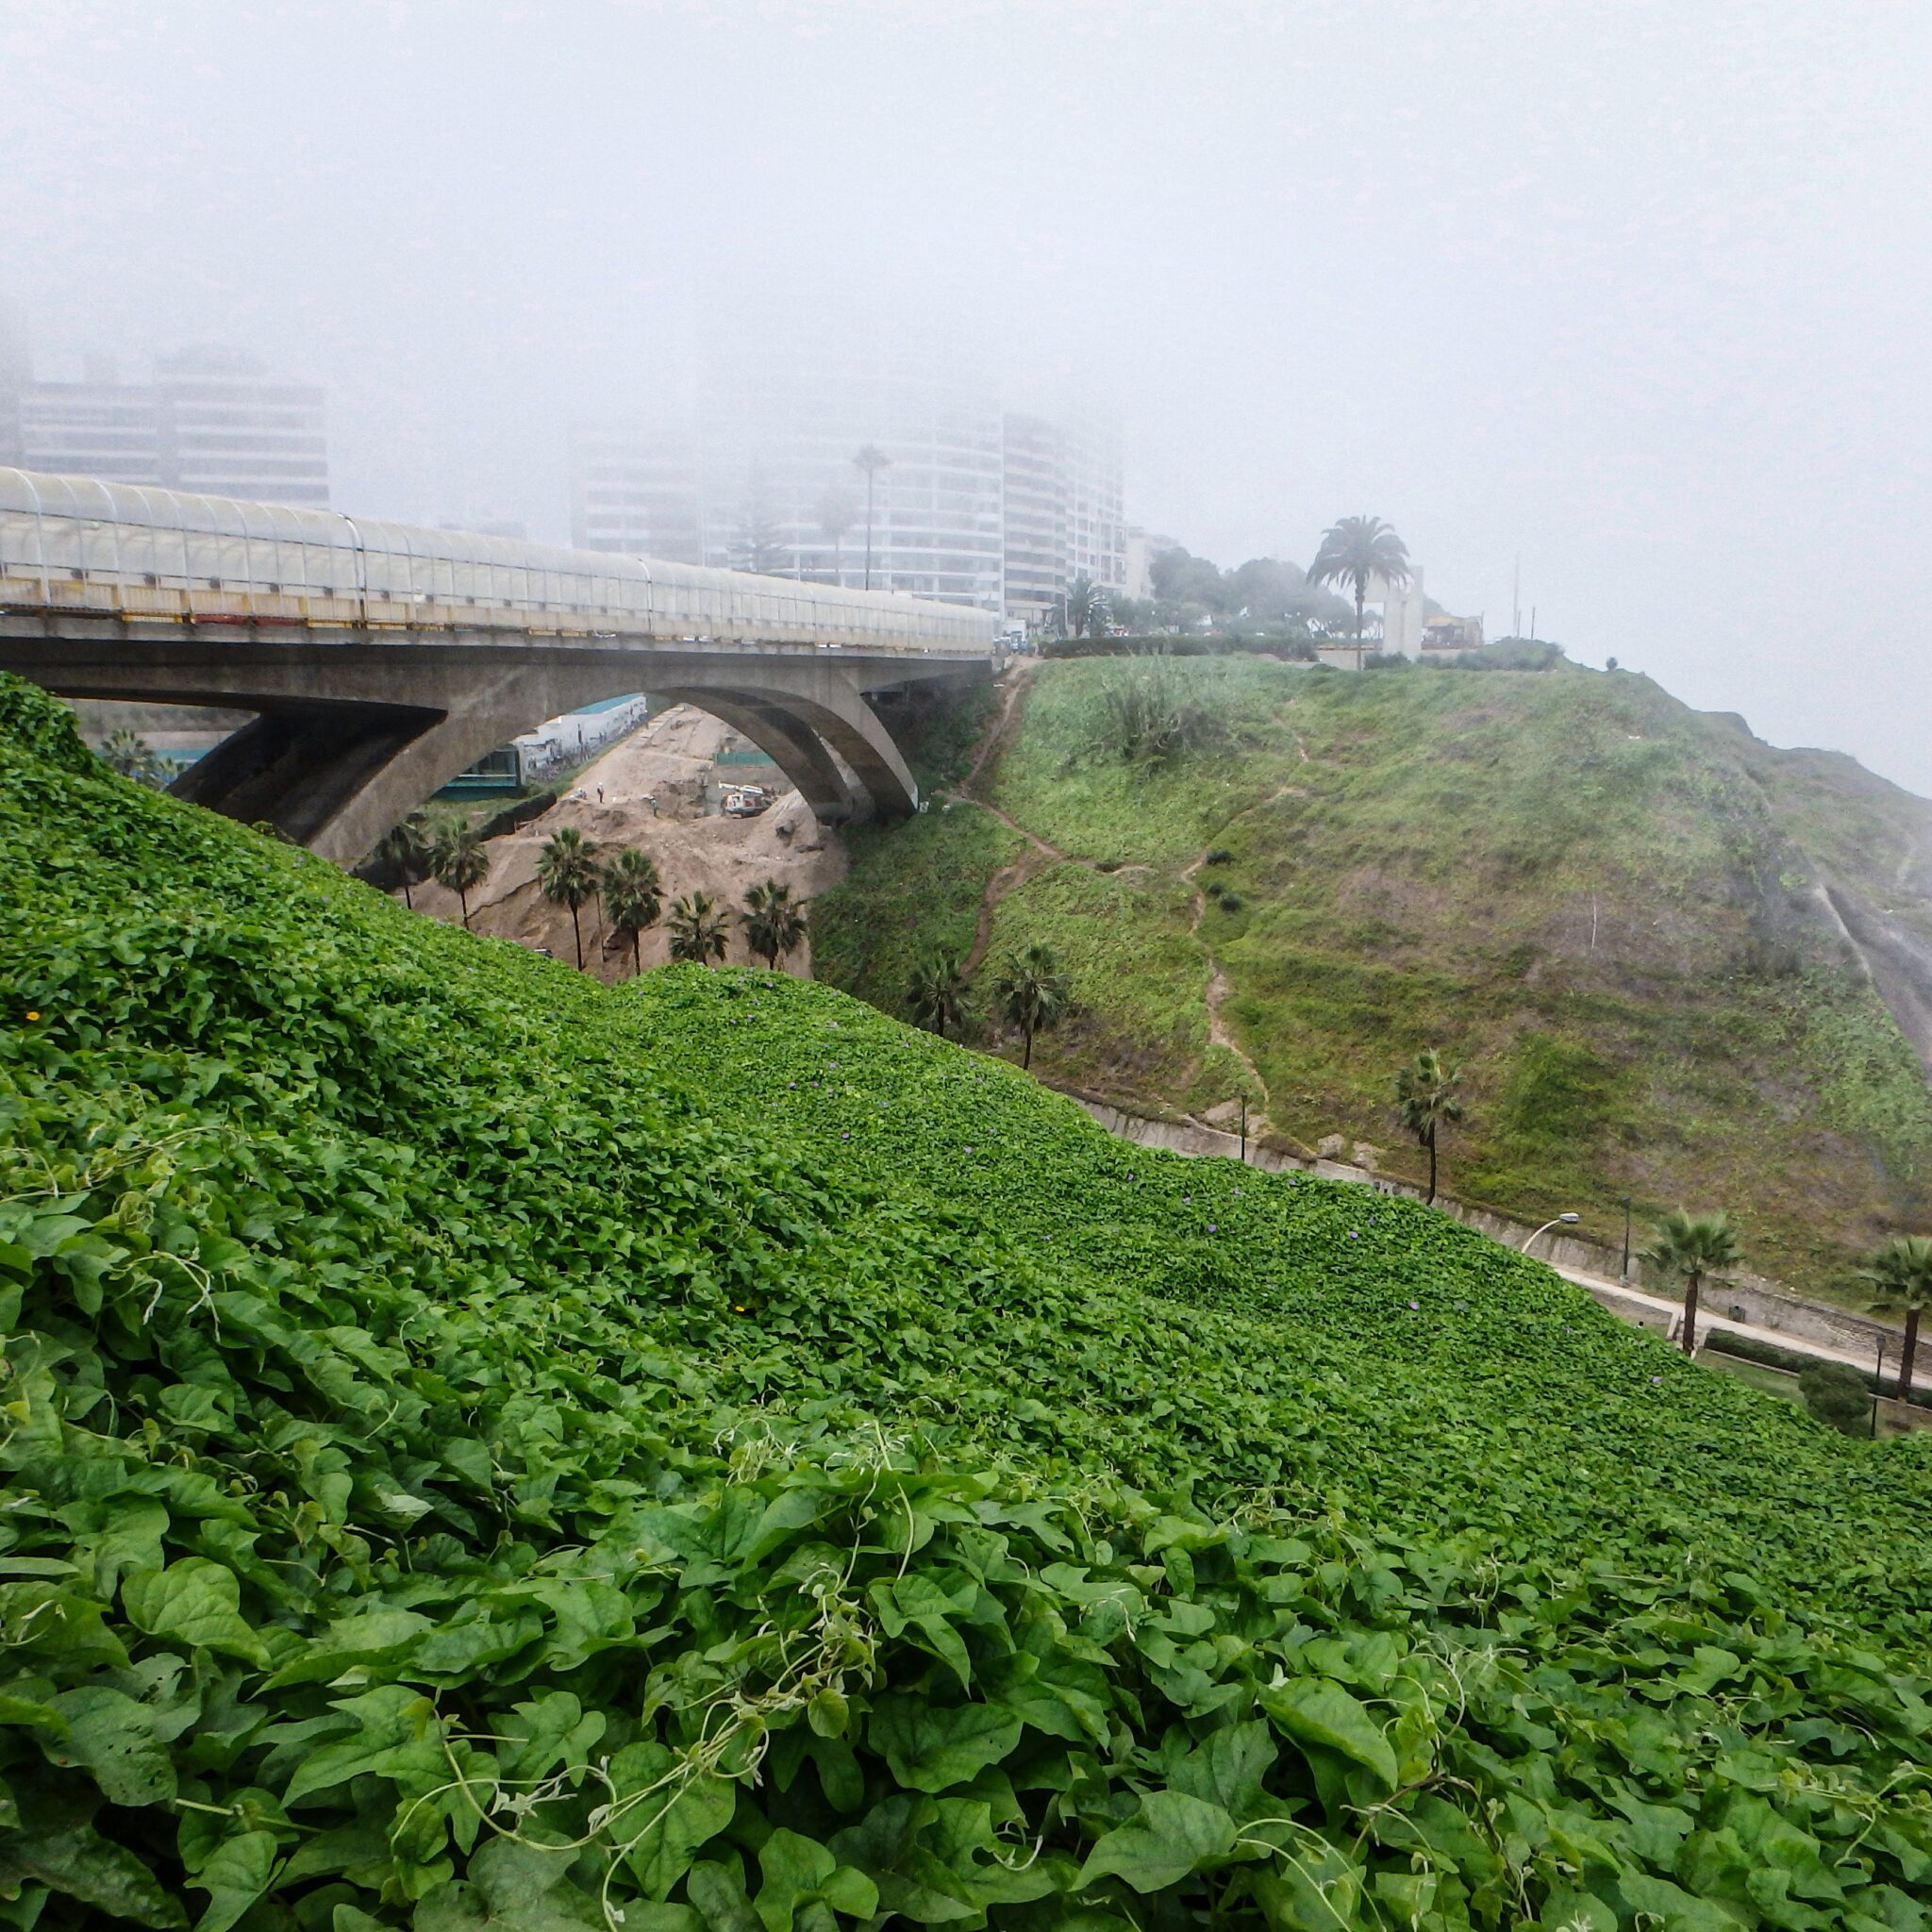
x=1151 y=712
x=1220 y=855
x=1511 y=654
x=1838 y=1397
x=1767 y=1355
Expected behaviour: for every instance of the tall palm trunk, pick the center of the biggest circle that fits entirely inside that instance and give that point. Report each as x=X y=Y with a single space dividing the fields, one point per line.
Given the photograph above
x=578 y=931
x=1361 y=594
x=637 y=957
x=408 y=903
x=1431 y=1201
x=1027 y=1057
x=1908 y=1358
x=1689 y=1334
x=463 y=895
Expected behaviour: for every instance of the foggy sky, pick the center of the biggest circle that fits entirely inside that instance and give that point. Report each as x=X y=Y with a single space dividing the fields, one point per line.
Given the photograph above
x=1638 y=290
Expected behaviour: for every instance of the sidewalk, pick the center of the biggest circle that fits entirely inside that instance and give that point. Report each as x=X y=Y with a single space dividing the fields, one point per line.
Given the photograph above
x=1633 y=1304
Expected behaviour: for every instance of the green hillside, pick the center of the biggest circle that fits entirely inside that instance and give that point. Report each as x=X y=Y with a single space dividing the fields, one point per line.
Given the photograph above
x=1623 y=917
x=481 y=1450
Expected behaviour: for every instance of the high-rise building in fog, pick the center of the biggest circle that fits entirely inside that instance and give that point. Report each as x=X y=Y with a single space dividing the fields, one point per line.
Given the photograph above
x=230 y=428
x=972 y=505
x=211 y=420
x=634 y=490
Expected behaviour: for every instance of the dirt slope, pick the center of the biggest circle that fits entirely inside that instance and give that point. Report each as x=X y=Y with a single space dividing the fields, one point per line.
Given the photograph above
x=647 y=792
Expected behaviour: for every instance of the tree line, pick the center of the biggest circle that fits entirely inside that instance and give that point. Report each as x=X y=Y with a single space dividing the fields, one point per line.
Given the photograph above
x=574 y=872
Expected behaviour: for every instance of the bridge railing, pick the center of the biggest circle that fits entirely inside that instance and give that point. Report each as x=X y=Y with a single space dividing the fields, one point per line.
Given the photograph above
x=78 y=546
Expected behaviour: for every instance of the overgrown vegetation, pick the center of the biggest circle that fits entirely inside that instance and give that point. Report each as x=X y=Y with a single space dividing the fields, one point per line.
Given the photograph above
x=1604 y=907
x=1151 y=711
x=484 y=1450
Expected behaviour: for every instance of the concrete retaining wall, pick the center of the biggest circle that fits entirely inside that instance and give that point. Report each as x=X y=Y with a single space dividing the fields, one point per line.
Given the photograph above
x=1742 y=1298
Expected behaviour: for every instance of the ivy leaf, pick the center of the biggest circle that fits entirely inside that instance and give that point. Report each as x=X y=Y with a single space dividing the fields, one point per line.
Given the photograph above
x=81 y=1864
x=1311 y=1710
x=671 y=1813
x=797 y=1871
x=717 y=1889
x=112 y=1736
x=234 y=1878
x=1170 y=1836
x=1316 y=1889
x=1228 y=1769
x=196 y=1601
x=931 y=1748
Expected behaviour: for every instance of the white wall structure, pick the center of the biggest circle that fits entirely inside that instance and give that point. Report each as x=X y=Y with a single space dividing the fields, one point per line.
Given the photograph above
x=1402 y=612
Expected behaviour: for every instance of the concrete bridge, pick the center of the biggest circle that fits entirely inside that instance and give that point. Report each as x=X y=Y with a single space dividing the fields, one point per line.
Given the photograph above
x=381 y=659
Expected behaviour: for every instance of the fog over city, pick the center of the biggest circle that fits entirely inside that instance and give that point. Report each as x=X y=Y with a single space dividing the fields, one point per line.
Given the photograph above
x=1636 y=292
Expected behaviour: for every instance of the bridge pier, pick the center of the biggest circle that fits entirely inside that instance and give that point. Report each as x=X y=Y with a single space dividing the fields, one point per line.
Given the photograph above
x=356 y=728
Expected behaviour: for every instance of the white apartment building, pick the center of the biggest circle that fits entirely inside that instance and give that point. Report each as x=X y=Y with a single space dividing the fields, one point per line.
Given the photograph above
x=211 y=420
x=230 y=428
x=973 y=504
x=634 y=490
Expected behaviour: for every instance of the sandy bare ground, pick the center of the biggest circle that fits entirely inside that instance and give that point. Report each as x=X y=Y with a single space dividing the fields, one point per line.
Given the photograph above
x=668 y=761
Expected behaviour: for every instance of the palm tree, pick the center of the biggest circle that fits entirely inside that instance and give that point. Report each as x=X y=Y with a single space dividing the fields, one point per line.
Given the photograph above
x=871 y=459
x=1086 y=608
x=773 y=925
x=935 y=994
x=837 y=513
x=1425 y=1099
x=634 y=896
x=129 y=753
x=1033 y=994
x=1903 y=1269
x=405 y=846
x=1352 y=552
x=458 y=861
x=1693 y=1245
x=567 y=874
x=697 y=930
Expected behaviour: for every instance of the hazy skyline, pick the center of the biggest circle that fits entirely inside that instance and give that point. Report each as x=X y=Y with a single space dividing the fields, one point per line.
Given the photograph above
x=1639 y=292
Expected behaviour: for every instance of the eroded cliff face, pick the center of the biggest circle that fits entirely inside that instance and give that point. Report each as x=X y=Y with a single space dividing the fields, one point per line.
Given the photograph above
x=649 y=791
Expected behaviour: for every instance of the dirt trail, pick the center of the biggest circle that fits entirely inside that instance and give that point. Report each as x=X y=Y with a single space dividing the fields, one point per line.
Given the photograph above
x=1042 y=852
x=1218 y=989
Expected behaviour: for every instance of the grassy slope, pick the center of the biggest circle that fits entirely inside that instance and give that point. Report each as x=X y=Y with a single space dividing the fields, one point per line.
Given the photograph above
x=1597 y=900
x=438 y=1386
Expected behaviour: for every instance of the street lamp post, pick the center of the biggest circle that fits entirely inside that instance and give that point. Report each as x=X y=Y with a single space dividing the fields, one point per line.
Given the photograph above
x=871 y=459
x=1561 y=1220
x=1624 y=1279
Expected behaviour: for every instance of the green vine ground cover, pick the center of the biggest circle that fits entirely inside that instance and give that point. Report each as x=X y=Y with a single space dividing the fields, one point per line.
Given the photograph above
x=1602 y=903
x=482 y=1451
